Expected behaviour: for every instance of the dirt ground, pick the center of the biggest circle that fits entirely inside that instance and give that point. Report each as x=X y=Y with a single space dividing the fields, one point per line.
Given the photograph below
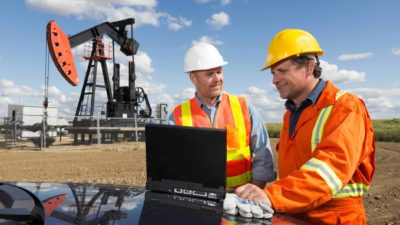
x=124 y=163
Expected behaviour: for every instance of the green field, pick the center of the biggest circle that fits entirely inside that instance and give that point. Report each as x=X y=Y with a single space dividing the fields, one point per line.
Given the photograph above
x=385 y=130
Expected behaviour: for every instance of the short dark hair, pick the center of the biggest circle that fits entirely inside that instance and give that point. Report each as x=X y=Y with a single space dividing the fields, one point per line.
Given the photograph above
x=302 y=60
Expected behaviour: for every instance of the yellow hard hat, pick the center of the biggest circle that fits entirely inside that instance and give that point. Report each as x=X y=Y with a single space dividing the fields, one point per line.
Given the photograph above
x=291 y=42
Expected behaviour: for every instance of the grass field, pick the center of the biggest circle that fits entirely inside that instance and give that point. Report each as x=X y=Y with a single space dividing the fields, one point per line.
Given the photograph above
x=385 y=130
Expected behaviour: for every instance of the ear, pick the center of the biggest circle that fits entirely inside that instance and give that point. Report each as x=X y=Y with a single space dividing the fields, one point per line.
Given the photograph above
x=310 y=67
x=192 y=77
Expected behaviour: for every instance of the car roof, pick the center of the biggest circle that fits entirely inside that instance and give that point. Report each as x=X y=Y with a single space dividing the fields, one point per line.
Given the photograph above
x=119 y=204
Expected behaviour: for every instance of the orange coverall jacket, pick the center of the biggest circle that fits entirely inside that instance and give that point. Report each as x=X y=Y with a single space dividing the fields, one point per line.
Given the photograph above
x=322 y=182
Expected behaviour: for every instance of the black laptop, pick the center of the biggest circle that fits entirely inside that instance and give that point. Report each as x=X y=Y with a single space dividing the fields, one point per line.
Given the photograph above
x=186 y=161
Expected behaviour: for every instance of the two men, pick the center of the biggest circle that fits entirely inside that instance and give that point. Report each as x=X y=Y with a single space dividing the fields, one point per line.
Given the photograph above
x=326 y=148
x=249 y=157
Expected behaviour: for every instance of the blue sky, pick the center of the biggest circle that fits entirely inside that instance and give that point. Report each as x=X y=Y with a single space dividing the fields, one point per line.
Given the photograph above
x=361 y=40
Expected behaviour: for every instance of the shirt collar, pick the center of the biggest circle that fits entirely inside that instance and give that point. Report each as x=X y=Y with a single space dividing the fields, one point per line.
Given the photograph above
x=201 y=103
x=317 y=91
x=312 y=98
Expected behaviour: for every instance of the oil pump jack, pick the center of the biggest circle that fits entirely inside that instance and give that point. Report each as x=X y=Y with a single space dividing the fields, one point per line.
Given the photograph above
x=122 y=102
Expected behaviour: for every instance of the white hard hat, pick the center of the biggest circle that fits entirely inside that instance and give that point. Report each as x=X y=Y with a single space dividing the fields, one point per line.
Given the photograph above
x=203 y=56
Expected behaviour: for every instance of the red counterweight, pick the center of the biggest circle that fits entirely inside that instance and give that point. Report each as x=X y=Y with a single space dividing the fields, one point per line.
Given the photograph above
x=60 y=51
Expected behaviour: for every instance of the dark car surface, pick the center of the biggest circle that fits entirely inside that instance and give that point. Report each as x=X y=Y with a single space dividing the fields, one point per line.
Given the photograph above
x=73 y=203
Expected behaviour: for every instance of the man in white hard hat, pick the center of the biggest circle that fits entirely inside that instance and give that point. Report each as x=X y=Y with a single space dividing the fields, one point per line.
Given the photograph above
x=249 y=157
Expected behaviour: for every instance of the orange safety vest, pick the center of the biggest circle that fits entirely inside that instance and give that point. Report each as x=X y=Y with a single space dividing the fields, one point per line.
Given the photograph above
x=328 y=159
x=232 y=115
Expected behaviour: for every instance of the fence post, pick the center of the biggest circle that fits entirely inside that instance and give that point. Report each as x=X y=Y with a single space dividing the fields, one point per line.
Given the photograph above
x=136 y=128
x=43 y=133
x=98 y=130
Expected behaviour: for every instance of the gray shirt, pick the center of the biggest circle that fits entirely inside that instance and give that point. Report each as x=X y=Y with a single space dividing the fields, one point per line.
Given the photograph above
x=262 y=159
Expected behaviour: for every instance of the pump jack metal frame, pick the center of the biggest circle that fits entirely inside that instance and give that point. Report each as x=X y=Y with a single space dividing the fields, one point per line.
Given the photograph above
x=121 y=101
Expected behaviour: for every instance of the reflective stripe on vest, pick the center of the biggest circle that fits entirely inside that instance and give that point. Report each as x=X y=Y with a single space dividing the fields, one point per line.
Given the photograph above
x=186 y=114
x=244 y=150
x=238 y=118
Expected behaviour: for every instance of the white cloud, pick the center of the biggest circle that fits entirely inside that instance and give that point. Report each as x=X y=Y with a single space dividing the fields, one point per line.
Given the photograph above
x=225 y=2
x=218 y=20
x=143 y=62
x=396 y=51
x=209 y=40
x=144 y=3
x=4 y=101
x=11 y=93
x=178 y=98
x=346 y=57
x=10 y=89
x=203 y=1
x=382 y=103
x=332 y=72
x=67 y=102
x=177 y=23
x=268 y=104
x=144 y=12
x=144 y=79
x=184 y=95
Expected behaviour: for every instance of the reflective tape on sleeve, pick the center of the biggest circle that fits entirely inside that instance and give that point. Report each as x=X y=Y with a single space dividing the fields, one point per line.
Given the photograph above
x=352 y=190
x=331 y=179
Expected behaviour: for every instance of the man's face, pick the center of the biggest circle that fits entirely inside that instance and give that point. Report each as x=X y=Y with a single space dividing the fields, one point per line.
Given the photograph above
x=289 y=79
x=208 y=83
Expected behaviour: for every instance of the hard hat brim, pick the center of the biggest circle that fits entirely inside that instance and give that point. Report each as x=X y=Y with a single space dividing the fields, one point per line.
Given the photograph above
x=264 y=68
x=206 y=68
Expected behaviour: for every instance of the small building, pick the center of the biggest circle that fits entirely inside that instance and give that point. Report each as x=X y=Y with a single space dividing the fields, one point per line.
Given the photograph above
x=24 y=116
x=162 y=111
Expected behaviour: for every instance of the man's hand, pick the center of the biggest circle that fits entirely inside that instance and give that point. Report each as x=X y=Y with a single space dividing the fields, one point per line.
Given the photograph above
x=258 y=183
x=253 y=193
x=234 y=205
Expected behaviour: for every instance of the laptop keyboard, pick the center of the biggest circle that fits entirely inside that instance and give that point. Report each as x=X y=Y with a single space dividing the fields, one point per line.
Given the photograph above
x=195 y=200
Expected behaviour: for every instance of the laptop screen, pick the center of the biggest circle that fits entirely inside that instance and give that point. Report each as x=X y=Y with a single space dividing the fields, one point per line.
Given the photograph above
x=186 y=154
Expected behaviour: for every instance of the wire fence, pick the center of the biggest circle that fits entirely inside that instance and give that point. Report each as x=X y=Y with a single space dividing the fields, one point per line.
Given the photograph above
x=44 y=130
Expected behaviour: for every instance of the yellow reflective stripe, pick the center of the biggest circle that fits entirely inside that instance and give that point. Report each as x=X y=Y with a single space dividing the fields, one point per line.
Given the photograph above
x=318 y=129
x=186 y=114
x=238 y=154
x=238 y=180
x=352 y=190
x=238 y=118
x=325 y=172
x=339 y=94
x=319 y=126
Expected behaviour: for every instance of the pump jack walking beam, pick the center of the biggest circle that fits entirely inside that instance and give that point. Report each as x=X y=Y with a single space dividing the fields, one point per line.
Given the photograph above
x=60 y=44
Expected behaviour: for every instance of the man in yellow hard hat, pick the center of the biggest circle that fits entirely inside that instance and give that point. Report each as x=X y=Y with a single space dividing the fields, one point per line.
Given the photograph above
x=249 y=156
x=326 y=147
